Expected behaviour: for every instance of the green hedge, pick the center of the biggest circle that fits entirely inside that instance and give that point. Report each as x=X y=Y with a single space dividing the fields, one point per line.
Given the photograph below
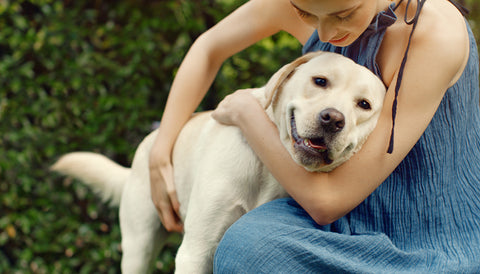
x=92 y=76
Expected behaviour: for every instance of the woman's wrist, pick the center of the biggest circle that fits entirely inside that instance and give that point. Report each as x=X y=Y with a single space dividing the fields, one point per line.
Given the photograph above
x=159 y=155
x=250 y=116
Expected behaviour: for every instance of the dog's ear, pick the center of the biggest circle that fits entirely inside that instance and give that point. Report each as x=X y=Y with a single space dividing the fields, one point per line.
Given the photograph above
x=276 y=81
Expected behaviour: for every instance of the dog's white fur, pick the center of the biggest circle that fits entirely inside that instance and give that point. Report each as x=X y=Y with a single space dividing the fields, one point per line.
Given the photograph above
x=217 y=175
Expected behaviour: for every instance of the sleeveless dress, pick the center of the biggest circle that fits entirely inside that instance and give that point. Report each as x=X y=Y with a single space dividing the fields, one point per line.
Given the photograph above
x=424 y=218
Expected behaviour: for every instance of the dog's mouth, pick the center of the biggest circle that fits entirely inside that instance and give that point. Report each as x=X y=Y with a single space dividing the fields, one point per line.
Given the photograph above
x=315 y=147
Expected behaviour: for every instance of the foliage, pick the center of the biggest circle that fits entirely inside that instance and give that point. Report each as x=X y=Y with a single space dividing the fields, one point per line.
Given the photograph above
x=92 y=76
x=474 y=16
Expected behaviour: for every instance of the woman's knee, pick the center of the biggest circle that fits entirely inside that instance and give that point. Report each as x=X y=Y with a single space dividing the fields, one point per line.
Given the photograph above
x=260 y=239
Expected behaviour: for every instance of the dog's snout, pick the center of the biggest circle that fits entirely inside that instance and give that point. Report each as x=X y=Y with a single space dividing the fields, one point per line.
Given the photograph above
x=332 y=120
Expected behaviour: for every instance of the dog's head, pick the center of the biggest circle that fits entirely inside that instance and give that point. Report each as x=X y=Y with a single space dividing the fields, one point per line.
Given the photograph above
x=325 y=106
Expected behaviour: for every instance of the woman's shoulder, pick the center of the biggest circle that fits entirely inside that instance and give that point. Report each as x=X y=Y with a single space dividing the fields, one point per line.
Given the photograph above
x=442 y=23
x=442 y=35
x=440 y=39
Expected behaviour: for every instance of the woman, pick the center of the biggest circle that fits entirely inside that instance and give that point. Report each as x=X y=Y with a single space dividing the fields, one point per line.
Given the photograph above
x=409 y=200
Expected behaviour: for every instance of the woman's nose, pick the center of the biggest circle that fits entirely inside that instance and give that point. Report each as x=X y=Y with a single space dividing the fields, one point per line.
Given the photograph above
x=326 y=32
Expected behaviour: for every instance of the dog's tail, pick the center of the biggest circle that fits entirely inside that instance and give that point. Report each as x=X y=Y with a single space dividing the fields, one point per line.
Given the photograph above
x=105 y=177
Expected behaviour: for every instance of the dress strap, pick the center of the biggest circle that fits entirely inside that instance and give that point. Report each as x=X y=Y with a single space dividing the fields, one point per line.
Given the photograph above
x=413 y=21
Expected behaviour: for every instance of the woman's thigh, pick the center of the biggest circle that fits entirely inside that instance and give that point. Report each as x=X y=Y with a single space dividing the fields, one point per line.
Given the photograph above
x=280 y=237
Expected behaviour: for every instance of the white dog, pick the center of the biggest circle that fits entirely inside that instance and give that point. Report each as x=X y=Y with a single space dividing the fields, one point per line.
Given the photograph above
x=324 y=106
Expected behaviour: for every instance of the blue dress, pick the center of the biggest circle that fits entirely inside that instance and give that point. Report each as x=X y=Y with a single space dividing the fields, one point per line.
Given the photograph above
x=424 y=218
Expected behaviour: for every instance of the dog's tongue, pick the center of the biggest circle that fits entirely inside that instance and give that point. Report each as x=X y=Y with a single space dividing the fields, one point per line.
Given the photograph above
x=315 y=146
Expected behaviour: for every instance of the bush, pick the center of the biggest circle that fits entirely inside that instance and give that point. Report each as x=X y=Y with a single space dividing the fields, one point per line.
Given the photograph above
x=92 y=76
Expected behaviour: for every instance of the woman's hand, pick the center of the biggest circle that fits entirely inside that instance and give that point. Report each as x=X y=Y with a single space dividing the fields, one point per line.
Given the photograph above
x=232 y=108
x=163 y=190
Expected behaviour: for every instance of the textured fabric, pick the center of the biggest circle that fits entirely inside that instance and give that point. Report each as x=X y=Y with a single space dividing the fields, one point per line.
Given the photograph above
x=425 y=217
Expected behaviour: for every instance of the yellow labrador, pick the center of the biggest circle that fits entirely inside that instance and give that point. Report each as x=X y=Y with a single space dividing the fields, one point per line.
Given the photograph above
x=324 y=106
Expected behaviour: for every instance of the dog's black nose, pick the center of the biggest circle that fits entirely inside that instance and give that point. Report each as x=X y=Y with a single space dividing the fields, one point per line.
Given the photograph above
x=332 y=120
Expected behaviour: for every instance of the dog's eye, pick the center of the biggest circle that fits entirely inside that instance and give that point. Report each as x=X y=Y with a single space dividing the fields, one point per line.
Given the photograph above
x=364 y=104
x=320 y=81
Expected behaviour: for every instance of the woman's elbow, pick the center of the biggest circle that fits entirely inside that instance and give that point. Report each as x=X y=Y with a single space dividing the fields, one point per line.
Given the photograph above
x=325 y=212
x=203 y=44
x=209 y=46
x=323 y=219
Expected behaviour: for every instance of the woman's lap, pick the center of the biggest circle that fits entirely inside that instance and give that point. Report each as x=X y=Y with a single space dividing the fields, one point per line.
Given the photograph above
x=280 y=237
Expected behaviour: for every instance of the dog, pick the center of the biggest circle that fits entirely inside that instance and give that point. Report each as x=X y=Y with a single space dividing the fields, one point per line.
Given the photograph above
x=324 y=106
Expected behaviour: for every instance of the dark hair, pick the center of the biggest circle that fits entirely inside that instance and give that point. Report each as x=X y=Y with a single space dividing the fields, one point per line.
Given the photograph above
x=460 y=7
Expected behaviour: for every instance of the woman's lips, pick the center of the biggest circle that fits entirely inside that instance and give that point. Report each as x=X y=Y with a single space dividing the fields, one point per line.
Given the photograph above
x=338 y=41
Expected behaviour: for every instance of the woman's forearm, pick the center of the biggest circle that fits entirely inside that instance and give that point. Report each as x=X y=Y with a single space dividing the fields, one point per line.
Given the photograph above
x=305 y=187
x=325 y=196
x=200 y=66
x=191 y=83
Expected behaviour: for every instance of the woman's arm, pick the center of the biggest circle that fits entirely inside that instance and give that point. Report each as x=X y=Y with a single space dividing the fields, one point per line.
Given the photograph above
x=431 y=68
x=250 y=23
